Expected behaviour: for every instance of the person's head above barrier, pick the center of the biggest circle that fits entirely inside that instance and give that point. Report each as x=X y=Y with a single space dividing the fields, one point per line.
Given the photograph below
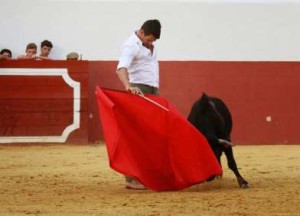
x=72 y=56
x=46 y=47
x=5 y=54
x=30 y=52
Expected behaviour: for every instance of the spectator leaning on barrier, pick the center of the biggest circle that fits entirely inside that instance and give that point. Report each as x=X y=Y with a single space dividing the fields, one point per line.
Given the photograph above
x=5 y=54
x=30 y=52
x=46 y=47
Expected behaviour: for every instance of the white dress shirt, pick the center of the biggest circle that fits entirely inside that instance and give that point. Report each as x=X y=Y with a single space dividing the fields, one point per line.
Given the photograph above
x=141 y=64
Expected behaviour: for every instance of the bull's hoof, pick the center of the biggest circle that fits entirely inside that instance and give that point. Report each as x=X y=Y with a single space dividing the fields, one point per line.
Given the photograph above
x=243 y=183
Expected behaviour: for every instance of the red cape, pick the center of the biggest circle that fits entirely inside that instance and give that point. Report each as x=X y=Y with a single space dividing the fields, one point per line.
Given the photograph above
x=160 y=148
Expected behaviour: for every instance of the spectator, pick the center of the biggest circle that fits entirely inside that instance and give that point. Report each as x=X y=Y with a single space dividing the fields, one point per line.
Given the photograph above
x=72 y=56
x=46 y=47
x=30 y=52
x=5 y=54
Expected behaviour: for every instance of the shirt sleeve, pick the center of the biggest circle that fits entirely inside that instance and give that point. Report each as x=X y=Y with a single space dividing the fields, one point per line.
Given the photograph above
x=126 y=57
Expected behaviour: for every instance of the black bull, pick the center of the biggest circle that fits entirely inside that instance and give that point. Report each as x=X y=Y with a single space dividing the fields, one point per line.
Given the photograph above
x=212 y=118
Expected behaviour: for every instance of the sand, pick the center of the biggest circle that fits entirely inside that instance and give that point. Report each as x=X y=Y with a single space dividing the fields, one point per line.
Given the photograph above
x=62 y=179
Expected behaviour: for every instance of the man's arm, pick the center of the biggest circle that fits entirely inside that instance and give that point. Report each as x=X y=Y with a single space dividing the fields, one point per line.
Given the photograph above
x=124 y=77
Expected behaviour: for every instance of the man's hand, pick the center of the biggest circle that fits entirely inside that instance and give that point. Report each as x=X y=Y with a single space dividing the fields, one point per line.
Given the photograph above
x=123 y=76
x=134 y=90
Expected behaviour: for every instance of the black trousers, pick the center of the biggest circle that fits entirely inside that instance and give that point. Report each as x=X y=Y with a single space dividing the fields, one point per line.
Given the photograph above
x=146 y=89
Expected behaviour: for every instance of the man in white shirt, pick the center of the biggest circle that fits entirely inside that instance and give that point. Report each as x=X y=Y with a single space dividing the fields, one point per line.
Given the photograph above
x=138 y=68
x=138 y=65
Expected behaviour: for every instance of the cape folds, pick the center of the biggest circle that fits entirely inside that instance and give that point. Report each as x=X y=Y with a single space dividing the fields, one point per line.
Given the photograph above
x=148 y=139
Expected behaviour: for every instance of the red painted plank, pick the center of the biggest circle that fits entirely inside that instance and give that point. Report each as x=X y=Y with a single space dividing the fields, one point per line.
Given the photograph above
x=39 y=129
x=49 y=130
x=35 y=92
x=8 y=83
x=41 y=105
x=21 y=81
x=36 y=118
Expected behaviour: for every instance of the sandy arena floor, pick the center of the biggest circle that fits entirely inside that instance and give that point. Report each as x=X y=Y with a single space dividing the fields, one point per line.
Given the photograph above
x=76 y=180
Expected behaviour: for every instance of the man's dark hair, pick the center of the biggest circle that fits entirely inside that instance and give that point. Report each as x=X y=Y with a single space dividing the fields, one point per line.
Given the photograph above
x=152 y=27
x=6 y=51
x=46 y=43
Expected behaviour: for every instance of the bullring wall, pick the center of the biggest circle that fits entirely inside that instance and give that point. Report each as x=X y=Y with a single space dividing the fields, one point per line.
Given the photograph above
x=54 y=101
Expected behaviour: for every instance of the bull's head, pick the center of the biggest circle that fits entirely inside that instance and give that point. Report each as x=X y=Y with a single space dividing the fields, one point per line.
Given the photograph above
x=207 y=118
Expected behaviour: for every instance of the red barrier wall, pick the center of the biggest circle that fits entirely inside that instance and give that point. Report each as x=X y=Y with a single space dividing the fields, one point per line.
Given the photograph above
x=39 y=107
x=263 y=97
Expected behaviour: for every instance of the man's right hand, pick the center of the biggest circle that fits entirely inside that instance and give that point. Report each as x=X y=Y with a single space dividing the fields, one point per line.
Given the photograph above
x=134 y=90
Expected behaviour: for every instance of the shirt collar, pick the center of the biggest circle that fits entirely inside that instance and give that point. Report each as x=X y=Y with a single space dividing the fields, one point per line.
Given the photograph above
x=137 y=39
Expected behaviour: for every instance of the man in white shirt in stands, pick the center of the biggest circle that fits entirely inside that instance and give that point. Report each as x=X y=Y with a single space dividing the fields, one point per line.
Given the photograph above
x=138 y=68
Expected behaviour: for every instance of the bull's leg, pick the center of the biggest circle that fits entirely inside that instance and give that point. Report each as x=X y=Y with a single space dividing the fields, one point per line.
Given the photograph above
x=232 y=165
x=218 y=153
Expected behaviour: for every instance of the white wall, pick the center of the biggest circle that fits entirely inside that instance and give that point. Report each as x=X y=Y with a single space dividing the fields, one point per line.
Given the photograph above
x=191 y=30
